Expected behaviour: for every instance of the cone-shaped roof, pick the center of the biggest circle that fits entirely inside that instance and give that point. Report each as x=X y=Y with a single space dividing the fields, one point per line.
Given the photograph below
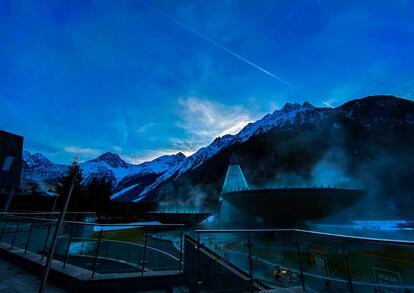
x=233 y=160
x=235 y=180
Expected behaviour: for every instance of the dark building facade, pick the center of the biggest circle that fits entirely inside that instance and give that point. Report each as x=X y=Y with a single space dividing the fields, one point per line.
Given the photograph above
x=11 y=161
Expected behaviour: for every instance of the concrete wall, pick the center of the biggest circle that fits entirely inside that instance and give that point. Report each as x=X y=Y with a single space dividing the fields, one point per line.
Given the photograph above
x=11 y=145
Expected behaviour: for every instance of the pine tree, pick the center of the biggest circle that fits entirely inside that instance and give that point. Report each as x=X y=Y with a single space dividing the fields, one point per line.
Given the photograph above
x=63 y=186
x=105 y=192
x=98 y=193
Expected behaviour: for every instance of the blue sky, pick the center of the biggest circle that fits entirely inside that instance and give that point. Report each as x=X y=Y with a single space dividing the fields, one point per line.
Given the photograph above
x=145 y=78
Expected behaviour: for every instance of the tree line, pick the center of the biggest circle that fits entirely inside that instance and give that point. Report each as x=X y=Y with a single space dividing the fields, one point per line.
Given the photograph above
x=91 y=197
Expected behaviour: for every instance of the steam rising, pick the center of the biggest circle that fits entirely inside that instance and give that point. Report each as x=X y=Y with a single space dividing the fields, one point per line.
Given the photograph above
x=330 y=171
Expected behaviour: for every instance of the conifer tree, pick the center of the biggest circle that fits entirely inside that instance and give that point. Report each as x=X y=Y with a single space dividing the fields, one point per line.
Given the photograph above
x=64 y=183
x=98 y=193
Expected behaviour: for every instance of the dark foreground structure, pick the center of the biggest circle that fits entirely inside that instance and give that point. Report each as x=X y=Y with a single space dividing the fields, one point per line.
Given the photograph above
x=282 y=207
x=167 y=259
x=11 y=164
x=11 y=148
x=290 y=206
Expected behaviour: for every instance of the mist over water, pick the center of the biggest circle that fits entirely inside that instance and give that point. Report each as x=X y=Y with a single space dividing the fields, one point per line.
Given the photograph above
x=330 y=171
x=192 y=202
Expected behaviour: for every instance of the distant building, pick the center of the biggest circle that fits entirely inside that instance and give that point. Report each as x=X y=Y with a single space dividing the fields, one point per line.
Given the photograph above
x=227 y=214
x=234 y=180
x=11 y=163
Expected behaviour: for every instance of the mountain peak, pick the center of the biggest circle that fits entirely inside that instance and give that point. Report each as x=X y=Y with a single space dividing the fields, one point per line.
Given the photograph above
x=169 y=159
x=378 y=101
x=139 y=182
x=392 y=104
x=35 y=159
x=307 y=105
x=109 y=155
x=290 y=107
x=180 y=155
x=112 y=159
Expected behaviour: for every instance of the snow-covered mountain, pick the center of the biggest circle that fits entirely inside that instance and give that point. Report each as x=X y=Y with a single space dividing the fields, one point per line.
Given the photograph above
x=288 y=115
x=374 y=111
x=109 y=166
x=38 y=167
x=135 y=182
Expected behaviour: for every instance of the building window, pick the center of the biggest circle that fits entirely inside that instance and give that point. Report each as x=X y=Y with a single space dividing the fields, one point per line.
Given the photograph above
x=7 y=164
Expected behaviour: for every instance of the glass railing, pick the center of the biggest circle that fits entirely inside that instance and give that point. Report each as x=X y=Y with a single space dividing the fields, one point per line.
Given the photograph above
x=317 y=261
x=273 y=257
x=99 y=248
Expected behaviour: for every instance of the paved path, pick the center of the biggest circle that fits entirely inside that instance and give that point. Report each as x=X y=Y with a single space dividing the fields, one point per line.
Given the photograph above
x=14 y=279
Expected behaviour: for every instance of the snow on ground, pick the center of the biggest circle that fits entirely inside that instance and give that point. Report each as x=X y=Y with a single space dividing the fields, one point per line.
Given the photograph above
x=388 y=229
x=123 y=191
x=124 y=226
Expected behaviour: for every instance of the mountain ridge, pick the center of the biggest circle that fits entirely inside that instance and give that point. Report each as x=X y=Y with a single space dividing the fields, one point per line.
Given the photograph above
x=143 y=181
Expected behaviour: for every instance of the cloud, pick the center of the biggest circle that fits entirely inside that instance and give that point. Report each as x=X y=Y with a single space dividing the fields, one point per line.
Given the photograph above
x=176 y=145
x=329 y=103
x=120 y=127
x=204 y=120
x=87 y=152
x=184 y=146
x=404 y=89
x=146 y=127
x=36 y=146
x=151 y=154
x=117 y=148
x=340 y=94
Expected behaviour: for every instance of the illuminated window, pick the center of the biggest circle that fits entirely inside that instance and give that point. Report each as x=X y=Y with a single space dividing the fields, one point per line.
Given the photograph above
x=7 y=164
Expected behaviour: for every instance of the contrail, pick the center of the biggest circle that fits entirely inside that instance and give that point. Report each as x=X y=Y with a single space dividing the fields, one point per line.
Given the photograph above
x=219 y=46
x=327 y=103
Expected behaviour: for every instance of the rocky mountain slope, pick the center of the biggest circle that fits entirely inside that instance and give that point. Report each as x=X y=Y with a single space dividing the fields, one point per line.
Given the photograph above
x=109 y=166
x=38 y=167
x=368 y=139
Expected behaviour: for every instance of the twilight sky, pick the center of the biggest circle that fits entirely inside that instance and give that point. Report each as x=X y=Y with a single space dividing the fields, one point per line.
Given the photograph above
x=145 y=78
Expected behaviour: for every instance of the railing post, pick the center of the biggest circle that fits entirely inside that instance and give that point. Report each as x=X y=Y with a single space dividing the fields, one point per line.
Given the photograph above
x=56 y=232
x=129 y=252
x=180 y=265
x=199 y=282
x=249 y=248
x=346 y=265
x=4 y=227
x=26 y=247
x=9 y=200
x=117 y=250
x=49 y=227
x=81 y=251
x=68 y=246
x=14 y=235
x=96 y=253
x=302 y=276
x=144 y=255
x=54 y=206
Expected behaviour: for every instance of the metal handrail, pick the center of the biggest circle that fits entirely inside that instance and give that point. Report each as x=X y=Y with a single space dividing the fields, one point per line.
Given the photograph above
x=98 y=224
x=338 y=237
x=336 y=279
x=331 y=235
x=222 y=262
x=44 y=213
x=124 y=242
